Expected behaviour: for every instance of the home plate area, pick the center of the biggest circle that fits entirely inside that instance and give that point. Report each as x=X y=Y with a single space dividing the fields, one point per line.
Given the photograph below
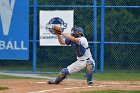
x=67 y=86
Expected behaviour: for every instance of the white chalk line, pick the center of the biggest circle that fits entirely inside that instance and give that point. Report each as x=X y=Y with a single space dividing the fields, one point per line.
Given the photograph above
x=136 y=86
x=41 y=82
x=44 y=91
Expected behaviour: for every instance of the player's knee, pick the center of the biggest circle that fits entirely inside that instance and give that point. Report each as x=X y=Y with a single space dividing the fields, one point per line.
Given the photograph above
x=89 y=66
x=64 y=72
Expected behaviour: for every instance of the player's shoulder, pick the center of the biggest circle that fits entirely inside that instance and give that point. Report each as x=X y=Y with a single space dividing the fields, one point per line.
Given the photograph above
x=82 y=38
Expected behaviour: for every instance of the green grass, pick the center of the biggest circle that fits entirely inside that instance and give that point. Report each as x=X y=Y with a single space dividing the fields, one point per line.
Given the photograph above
x=110 y=91
x=117 y=76
x=15 y=77
x=106 y=76
x=3 y=88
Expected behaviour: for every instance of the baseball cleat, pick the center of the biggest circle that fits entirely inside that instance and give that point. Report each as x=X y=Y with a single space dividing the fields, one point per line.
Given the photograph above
x=90 y=83
x=52 y=82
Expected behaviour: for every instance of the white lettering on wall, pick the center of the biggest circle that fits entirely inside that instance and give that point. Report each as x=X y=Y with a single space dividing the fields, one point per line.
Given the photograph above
x=12 y=45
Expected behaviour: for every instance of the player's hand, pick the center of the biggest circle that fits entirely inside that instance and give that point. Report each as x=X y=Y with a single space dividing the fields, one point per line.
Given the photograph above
x=57 y=30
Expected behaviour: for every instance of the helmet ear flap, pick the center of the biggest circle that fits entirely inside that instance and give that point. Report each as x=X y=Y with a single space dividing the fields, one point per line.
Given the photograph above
x=82 y=34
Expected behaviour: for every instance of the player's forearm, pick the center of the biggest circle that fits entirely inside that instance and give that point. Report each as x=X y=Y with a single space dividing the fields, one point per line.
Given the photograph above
x=61 y=41
x=71 y=37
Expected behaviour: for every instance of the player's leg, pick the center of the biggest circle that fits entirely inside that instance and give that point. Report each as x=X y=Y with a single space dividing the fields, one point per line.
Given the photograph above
x=61 y=76
x=74 y=67
x=89 y=71
x=78 y=65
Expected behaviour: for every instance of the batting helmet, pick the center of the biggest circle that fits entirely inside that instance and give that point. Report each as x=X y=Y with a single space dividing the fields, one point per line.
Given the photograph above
x=77 y=30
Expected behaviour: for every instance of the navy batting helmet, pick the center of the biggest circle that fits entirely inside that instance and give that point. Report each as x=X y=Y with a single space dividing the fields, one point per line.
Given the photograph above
x=77 y=30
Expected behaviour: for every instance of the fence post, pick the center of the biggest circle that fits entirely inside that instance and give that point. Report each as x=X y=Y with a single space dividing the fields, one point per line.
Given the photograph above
x=102 y=36
x=95 y=34
x=34 y=36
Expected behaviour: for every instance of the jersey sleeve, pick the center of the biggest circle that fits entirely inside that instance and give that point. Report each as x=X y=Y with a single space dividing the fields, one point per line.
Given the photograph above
x=82 y=41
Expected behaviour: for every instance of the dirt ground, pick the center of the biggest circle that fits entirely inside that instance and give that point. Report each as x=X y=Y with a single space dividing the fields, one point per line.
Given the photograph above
x=67 y=86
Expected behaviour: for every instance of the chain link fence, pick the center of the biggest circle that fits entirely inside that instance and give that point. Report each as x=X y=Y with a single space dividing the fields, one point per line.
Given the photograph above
x=122 y=25
x=122 y=37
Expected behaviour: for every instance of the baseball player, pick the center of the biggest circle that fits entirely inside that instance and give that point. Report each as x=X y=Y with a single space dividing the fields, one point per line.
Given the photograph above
x=79 y=43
